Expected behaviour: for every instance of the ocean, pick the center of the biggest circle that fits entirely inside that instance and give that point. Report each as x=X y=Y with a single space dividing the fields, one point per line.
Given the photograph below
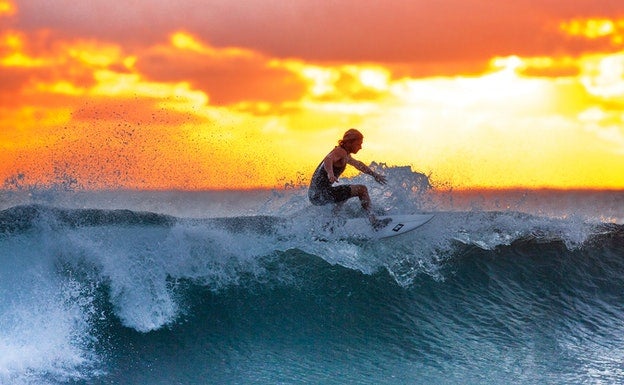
x=250 y=287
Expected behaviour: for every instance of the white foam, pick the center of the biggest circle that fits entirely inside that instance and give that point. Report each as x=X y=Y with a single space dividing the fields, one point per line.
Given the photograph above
x=45 y=313
x=44 y=320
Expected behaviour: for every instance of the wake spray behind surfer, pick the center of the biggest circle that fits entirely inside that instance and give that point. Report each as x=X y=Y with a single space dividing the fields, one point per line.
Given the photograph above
x=322 y=191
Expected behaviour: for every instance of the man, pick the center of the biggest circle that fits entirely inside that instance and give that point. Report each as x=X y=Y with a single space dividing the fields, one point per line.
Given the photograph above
x=321 y=191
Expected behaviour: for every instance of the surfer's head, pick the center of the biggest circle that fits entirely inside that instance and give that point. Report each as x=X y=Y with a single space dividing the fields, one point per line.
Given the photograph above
x=351 y=140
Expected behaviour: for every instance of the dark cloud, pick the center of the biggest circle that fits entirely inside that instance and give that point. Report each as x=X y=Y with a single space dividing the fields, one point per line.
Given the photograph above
x=11 y=82
x=364 y=30
x=226 y=79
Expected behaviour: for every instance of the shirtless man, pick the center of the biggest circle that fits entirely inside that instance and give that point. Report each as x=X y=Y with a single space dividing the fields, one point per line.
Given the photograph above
x=321 y=191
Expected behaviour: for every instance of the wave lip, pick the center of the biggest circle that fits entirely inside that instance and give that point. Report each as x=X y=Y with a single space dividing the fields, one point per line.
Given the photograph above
x=25 y=217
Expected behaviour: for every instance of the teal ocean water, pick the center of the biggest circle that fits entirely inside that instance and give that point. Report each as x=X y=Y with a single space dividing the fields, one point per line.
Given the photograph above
x=139 y=287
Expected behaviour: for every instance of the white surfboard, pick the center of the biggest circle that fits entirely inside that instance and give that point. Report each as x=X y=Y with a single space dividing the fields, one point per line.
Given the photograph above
x=399 y=224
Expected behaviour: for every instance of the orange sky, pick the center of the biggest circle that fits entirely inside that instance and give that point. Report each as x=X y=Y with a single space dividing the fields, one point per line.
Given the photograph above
x=205 y=94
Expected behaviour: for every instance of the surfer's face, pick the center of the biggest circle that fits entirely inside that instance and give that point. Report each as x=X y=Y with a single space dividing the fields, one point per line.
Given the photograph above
x=354 y=146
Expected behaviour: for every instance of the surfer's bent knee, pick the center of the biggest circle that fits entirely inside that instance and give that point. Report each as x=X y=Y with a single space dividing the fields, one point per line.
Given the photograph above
x=361 y=192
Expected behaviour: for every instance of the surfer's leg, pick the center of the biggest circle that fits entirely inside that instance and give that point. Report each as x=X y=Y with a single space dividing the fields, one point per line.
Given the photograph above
x=360 y=191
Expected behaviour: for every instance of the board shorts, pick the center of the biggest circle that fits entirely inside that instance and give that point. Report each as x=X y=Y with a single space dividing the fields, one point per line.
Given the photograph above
x=321 y=191
x=329 y=194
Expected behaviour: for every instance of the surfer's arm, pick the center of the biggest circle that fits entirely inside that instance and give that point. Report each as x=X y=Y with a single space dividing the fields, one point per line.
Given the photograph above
x=328 y=165
x=366 y=170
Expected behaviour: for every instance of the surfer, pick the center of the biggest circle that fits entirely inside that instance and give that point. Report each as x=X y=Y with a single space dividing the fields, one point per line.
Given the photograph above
x=321 y=191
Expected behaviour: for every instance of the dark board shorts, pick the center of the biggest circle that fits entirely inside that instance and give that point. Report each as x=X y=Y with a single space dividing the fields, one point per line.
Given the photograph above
x=332 y=194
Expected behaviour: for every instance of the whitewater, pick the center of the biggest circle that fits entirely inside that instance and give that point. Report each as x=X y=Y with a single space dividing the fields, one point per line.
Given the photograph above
x=259 y=287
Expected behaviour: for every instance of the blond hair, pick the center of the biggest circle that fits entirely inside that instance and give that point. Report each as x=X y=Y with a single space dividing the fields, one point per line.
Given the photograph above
x=351 y=135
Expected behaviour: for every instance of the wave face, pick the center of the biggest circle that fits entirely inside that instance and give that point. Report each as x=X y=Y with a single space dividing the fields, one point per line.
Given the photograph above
x=100 y=296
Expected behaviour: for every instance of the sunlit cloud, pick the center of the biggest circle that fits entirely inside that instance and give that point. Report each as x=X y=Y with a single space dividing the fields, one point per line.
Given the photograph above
x=7 y=8
x=596 y=29
x=227 y=75
x=195 y=108
x=603 y=75
x=12 y=52
x=186 y=41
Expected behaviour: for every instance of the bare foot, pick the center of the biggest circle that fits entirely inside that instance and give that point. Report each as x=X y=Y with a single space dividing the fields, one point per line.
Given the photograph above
x=379 y=224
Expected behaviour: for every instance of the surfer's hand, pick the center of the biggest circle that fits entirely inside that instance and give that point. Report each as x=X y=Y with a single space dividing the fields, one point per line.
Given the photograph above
x=380 y=178
x=333 y=179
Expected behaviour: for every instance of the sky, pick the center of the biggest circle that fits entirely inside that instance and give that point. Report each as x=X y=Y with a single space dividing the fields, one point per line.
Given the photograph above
x=233 y=94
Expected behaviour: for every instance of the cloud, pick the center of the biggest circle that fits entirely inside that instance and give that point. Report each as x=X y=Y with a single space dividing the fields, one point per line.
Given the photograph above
x=163 y=94
x=592 y=29
x=7 y=8
x=12 y=80
x=228 y=75
x=394 y=31
x=550 y=67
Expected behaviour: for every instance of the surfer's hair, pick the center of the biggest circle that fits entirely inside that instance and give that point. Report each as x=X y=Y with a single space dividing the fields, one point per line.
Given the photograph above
x=351 y=135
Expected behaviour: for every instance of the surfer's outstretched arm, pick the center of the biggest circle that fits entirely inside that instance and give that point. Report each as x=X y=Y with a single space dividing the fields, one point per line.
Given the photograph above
x=366 y=170
x=333 y=164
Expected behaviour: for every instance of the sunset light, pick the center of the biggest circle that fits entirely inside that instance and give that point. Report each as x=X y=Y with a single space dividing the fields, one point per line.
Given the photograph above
x=6 y=8
x=596 y=28
x=191 y=102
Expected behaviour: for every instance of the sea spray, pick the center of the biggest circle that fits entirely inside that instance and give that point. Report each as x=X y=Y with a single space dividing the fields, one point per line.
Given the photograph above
x=199 y=287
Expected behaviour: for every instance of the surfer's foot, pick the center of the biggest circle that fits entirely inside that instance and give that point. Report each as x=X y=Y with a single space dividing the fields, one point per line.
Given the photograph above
x=379 y=224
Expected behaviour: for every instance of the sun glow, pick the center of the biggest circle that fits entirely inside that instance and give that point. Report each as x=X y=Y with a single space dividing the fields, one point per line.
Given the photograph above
x=604 y=76
x=322 y=80
x=12 y=55
x=185 y=41
x=94 y=54
x=180 y=112
x=61 y=87
x=591 y=28
x=596 y=29
x=7 y=8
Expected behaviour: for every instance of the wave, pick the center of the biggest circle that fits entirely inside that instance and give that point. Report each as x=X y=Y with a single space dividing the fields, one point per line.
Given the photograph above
x=93 y=234
x=21 y=218
x=78 y=284
x=247 y=238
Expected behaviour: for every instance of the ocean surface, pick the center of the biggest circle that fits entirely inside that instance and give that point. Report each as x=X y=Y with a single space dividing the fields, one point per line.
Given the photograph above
x=250 y=287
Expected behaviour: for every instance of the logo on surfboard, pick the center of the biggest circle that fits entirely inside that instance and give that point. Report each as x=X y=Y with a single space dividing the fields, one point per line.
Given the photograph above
x=398 y=227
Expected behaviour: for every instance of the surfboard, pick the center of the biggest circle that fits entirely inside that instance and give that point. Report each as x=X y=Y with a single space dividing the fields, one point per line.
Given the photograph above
x=399 y=224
